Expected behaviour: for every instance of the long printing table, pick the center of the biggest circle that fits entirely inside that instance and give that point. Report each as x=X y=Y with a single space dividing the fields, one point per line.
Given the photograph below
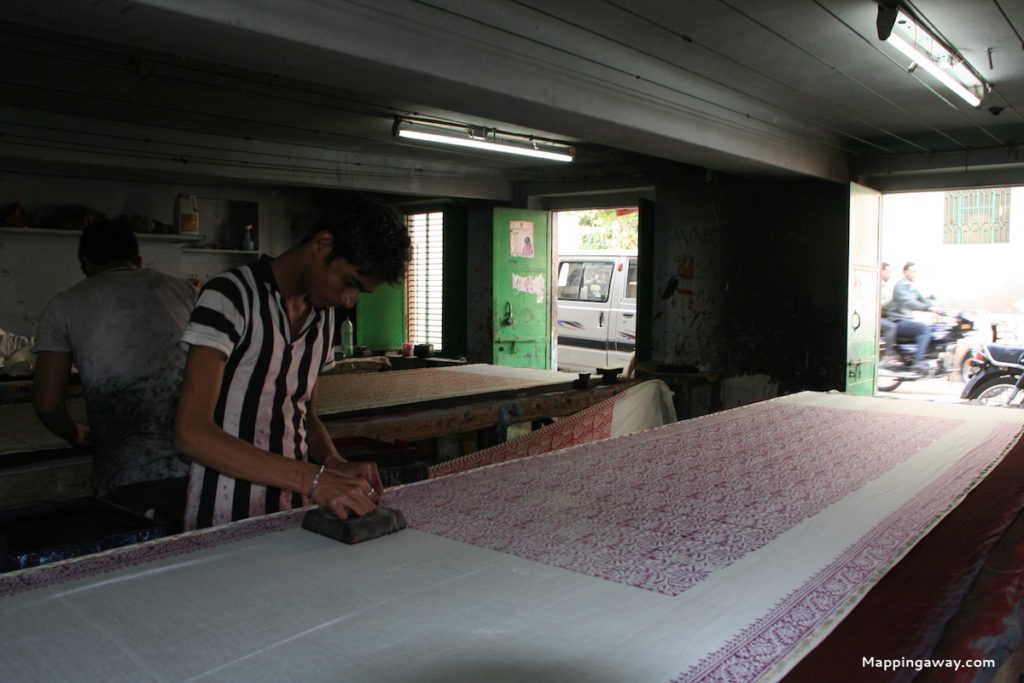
x=723 y=548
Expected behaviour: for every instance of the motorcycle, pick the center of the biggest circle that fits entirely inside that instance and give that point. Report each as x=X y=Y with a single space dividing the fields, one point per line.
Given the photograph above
x=996 y=376
x=939 y=356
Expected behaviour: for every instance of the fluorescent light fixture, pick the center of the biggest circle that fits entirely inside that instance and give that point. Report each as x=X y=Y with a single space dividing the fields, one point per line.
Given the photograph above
x=941 y=62
x=479 y=137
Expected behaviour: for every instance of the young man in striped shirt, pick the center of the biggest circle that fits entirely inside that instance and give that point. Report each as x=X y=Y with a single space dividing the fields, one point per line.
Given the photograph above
x=259 y=337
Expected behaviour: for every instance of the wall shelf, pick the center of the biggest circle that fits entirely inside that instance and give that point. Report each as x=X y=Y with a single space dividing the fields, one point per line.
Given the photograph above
x=56 y=232
x=211 y=250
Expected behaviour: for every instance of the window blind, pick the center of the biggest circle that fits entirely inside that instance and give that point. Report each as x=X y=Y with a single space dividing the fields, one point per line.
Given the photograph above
x=424 y=281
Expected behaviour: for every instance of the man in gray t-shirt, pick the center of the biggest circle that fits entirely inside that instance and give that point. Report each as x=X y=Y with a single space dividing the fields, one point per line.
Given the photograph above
x=120 y=327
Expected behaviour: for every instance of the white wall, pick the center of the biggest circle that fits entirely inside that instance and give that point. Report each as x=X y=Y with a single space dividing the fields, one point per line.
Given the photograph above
x=34 y=267
x=983 y=277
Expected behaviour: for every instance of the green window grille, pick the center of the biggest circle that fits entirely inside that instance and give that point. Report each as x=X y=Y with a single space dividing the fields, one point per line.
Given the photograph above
x=977 y=217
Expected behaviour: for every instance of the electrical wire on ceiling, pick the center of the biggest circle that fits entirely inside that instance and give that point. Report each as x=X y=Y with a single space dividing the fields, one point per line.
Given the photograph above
x=675 y=65
x=875 y=45
x=249 y=85
x=171 y=116
x=780 y=83
x=132 y=144
x=992 y=87
x=832 y=68
x=198 y=158
x=916 y=119
x=1016 y=110
x=959 y=144
x=182 y=73
x=254 y=84
x=238 y=82
x=1009 y=23
x=639 y=78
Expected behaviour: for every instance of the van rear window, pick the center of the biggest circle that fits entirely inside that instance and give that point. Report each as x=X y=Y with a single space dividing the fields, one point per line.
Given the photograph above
x=631 y=280
x=584 y=280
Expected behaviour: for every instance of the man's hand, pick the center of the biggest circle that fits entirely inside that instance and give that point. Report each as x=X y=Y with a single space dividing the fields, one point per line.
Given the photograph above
x=83 y=436
x=345 y=494
x=360 y=470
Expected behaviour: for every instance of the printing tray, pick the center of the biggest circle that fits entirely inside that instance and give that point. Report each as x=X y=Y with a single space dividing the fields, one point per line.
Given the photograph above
x=48 y=532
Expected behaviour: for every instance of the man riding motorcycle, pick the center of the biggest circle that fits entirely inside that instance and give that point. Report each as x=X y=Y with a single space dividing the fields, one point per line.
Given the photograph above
x=905 y=300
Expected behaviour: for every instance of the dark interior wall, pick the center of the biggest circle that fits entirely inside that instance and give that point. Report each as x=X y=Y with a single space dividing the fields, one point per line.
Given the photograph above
x=750 y=278
x=455 y=337
x=479 y=305
x=788 y=279
x=688 y=271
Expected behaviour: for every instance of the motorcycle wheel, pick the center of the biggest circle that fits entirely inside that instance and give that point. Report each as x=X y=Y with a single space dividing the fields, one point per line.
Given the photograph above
x=997 y=392
x=888 y=382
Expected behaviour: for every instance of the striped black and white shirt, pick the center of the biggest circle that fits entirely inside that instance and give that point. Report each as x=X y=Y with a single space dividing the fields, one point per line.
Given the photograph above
x=268 y=381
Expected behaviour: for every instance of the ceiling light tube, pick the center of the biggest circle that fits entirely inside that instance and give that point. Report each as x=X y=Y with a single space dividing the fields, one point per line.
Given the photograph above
x=481 y=138
x=928 y=52
x=925 y=62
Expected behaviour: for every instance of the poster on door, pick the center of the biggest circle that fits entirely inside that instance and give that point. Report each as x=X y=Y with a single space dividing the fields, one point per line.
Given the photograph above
x=530 y=284
x=521 y=233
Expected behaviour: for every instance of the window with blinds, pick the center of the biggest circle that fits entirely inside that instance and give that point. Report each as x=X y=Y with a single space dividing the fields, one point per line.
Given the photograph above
x=423 y=282
x=977 y=217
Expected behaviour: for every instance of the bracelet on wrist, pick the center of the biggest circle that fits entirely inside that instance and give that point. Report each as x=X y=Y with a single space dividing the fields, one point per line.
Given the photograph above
x=316 y=480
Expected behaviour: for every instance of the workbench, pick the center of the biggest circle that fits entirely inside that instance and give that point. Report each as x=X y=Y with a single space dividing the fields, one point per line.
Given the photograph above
x=409 y=405
x=414 y=405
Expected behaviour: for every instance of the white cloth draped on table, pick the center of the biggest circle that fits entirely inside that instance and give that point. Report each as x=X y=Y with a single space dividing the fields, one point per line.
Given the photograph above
x=715 y=549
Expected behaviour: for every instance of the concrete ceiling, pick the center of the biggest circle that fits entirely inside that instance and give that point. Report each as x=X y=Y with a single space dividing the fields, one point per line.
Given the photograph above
x=304 y=92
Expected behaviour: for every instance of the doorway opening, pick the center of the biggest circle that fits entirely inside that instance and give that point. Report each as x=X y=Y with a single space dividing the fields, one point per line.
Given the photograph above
x=964 y=248
x=596 y=281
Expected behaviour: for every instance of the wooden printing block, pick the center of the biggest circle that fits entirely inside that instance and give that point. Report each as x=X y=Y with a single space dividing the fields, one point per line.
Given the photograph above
x=380 y=522
x=609 y=375
x=583 y=382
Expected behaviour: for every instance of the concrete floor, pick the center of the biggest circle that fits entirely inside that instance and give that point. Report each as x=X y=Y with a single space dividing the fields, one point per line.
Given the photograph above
x=937 y=389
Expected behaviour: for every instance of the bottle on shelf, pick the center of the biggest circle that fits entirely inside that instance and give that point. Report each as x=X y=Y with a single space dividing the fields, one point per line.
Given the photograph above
x=187 y=214
x=247 y=242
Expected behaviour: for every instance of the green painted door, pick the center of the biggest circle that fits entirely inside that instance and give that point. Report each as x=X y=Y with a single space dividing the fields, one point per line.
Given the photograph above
x=522 y=288
x=862 y=301
x=380 y=318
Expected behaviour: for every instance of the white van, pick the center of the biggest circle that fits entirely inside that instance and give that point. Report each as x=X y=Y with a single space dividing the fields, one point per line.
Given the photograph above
x=596 y=320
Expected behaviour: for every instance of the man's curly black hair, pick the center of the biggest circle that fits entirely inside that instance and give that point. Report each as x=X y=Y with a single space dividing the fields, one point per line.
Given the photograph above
x=370 y=235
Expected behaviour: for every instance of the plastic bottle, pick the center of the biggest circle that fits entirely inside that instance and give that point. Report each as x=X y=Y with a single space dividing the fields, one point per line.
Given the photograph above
x=247 y=242
x=188 y=214
x=346 y=338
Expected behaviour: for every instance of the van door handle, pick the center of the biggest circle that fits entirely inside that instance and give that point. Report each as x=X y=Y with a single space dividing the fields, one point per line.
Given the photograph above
x=600 y=319
x=628 y=315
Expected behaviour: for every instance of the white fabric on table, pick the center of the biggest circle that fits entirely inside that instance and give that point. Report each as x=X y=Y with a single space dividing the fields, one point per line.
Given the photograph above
x=645 y=406
x=417 y=606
